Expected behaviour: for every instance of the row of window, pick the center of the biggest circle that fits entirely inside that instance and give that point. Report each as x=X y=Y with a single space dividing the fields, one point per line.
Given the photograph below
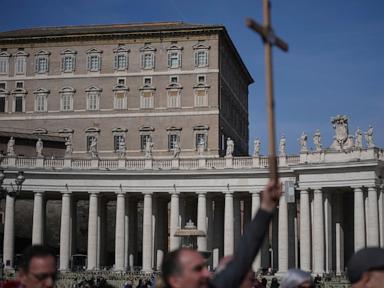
x=94 y=59
x=173 y=140
x=93 y=95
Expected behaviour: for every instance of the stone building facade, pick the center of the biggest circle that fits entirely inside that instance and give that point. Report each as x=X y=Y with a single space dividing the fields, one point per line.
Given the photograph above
x=164 y=82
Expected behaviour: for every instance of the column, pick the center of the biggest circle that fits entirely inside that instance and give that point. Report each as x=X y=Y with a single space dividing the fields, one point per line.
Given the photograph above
x=328 y=231
x=102 y=232
x=174 y=242
x=155 y=228
x=127 y=223
x=120 y=232
x=228 y=224
x=318 y=232
x=210 y=228
x=373 y=218
x=9 y=230
x=92 y=231
x=65 y=232
x=237 y=219
x=218 y=228
x=359 y=215
x=339 y=231
x=147 y=233
x=255 y=207
x=132 y=244
x=201 y=220
x=381 y=215
x=283 y=236
x=38 y=218
x=305 y=231
x=73 y=227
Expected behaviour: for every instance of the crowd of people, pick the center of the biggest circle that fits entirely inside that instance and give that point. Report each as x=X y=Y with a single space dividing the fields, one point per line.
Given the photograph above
x=186 y=268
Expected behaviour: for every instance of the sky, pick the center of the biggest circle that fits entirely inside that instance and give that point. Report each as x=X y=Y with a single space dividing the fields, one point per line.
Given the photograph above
x=335 y=63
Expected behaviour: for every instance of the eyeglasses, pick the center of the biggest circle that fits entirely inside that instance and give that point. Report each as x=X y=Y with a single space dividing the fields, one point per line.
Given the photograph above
x=199 y=267
x=44 y=276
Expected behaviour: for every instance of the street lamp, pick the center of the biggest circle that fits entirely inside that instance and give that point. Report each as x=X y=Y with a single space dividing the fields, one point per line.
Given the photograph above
x=20 y=178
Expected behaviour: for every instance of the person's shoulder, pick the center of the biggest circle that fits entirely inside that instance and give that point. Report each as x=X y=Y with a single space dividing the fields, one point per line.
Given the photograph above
x=10 y=284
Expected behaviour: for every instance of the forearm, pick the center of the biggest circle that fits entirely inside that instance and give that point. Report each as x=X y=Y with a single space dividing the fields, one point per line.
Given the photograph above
x=249 y=246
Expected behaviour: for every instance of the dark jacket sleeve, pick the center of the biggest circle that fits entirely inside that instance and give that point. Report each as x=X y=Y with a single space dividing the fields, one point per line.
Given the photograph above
x=232 y=276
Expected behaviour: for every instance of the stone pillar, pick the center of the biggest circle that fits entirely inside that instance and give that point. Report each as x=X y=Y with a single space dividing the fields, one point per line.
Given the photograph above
x=237 y=225
x=381 y=215
x=127 y=223
x=228 y=224
x=73 y=224
x=359 y=215
x=120 y=232
x=255 y=207
x=103 y=228
x=328 y=231
x=65 y=231
x=210 y=228
x=373 y=218
x=38 y=218
x=9 y=232
x=174 y=242
x=305 y=231
x=147 y=233
x=318 y=232
x=92 y=231
x=283 y=236
x=201 y=220
x=218 y=227
x=339 y=231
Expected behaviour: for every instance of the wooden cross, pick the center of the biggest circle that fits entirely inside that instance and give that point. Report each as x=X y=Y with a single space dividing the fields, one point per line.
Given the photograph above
x=270 y=39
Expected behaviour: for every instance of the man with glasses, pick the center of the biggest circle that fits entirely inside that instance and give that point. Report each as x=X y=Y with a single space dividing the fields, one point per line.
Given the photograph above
x=37 y=269
x=186 y=268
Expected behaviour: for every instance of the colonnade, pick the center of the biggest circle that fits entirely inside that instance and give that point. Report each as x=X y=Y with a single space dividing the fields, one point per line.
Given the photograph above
x=309 y=233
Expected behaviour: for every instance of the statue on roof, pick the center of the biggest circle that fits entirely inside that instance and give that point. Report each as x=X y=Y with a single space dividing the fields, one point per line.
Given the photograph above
x=317 y=140
x=369 y=137
x=11 y=147
x=39 y=148
x=256 y=147
x=230 y=147
x=303 y=142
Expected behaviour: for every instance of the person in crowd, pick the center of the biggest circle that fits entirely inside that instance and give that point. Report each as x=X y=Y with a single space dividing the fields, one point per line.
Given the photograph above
x=295 y=278
x=274 y=283
x=366 y=268
x=186 y=268
x=37 y=269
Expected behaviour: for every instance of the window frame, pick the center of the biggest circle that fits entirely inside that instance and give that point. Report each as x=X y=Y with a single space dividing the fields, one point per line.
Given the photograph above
x=4 y=57
x=68 y=54
x=20 y=56
x=118 y=89
x=200 y=47
x=150 y=51
x=97 y=93
x=41 y=100
x=94 y=53
x=66 y=91
x=201 y=130
x=42 y=55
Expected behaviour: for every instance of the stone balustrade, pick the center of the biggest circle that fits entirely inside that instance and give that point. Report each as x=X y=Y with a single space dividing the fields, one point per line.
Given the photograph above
x=324 y=156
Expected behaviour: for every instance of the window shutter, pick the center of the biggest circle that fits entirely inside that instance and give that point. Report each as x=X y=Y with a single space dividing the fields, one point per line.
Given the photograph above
x=206 y=58
x=37 y=64
x=169 y=59
x=99 y=68
x=179 y=59
x=196 y=60
x=142 y=60
x=47 y=59
x=116 y=60
x=73 y=63
x=153 y=60
x=89 y=62
x=63 y=63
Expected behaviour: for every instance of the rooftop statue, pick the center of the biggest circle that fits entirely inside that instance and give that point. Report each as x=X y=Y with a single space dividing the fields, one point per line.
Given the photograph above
x=317 y=140
x=340 y=124
x=176 y=150
x=39 y=148
x=11 y=147
x=121 y=148
x=201 y=147
x=230 y=147
x=282 y=146
x=303 y=142
x=93 y=148
x=359 y=138
x=256 y=147
x=369 y=137
x=148 y=148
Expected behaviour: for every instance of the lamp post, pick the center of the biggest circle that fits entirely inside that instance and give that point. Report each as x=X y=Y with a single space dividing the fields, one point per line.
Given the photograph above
x=10 y=192
x=20 y=178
